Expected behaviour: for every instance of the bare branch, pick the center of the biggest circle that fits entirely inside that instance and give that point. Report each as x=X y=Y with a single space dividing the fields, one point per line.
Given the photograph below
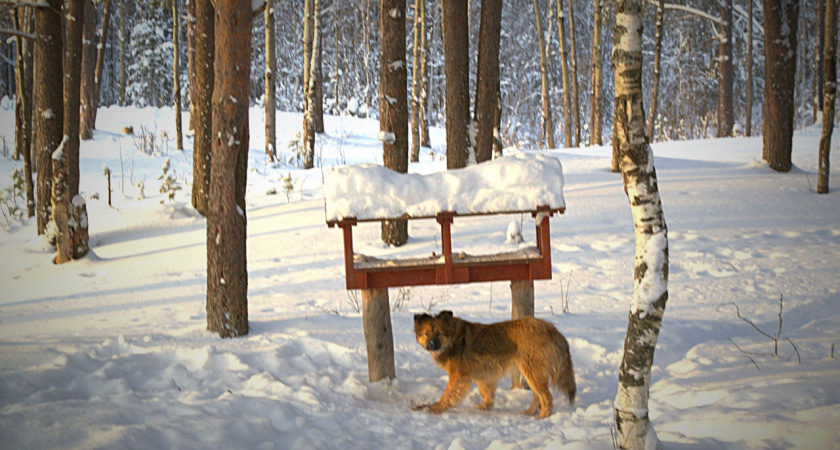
x=746 y=352
x=13 y=32
x=690 y=10
x=738 y=312
x=798 y=357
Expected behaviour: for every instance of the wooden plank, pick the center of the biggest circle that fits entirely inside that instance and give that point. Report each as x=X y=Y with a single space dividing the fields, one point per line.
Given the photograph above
x=534 y=211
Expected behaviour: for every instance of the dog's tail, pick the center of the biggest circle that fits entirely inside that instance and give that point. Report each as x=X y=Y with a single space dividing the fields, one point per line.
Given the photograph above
x=563 y=374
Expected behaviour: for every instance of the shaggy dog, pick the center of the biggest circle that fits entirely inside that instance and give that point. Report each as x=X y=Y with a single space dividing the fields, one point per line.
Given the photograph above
x=484 y=353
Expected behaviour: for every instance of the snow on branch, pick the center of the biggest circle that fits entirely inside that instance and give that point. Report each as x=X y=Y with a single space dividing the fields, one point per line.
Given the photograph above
x=690 y=10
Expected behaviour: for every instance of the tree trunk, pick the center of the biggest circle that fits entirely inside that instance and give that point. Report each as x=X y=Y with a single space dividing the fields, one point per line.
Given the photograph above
x=424 y=88
x=176 y=75
x=270 y=87
x=124 y=37
x=830 y=77
x=595 y=119
x=726 y=114
x=547 y=122
x=416 y=81
x=61 y=205
x=308 y=112
x=650 y=291
x=227 y=274
x=393 y=110
x=49 y=108
x=23 y=104
x=574 y=76
x=202 y=95
x=318 y=95
x=100 y=58
x=72 y=85
x=487 y=78
x=191 y=19
x=88 y=84
x=457 y=73
x=309 y=117
x=748 y=130
x=781 y=19
x=309 y=58
x=498 y=149
x=564 y=72
x=819 y=61
x=657 y=57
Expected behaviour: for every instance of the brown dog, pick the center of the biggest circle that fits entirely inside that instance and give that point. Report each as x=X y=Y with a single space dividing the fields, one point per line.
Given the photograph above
x=484 y=353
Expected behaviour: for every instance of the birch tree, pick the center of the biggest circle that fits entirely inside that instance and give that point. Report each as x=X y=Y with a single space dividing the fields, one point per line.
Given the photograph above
x=270 y=86
x=547 y=122
x=650 y=288
x=416 y=82
x=564 y=73
x=176 y=78
x=574 y=74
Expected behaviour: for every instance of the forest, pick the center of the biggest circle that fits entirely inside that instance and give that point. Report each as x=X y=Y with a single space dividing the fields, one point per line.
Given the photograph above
x=138 y=60
x=545 y=75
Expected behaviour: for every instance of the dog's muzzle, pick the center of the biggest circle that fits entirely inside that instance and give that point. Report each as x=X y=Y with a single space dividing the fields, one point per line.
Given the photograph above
x=433 y=345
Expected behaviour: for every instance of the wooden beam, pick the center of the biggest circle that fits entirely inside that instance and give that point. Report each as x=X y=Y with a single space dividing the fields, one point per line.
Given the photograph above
x=379 y=338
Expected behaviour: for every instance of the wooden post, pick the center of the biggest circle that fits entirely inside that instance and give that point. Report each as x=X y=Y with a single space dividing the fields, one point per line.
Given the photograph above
x=522 y=305
x=376 y=316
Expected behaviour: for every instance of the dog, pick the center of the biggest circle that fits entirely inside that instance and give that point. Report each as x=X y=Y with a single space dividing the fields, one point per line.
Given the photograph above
x=484 y=353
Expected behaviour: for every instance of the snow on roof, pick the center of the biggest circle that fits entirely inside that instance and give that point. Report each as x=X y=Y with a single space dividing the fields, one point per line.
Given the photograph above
x=515 y=183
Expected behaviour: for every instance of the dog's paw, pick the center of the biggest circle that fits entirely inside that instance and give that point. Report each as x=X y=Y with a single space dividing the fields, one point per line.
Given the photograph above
x=484 y=406
x=436 y=408
x=421 y=407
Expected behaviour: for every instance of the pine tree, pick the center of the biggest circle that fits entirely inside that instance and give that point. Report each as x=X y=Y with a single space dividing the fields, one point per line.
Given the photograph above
x=781 y=19
x=393 y=109
x=227 y=273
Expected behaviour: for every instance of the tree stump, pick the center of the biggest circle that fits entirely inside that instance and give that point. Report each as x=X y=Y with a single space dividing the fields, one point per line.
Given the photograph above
x=379 y=338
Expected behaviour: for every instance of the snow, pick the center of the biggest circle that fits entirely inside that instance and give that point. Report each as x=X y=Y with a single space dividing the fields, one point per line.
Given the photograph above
x=520 y=182
x=112 y=351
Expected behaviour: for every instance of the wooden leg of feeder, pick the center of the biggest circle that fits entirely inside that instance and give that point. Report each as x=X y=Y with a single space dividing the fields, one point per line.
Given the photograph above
x=522 y=305
x=376 y=316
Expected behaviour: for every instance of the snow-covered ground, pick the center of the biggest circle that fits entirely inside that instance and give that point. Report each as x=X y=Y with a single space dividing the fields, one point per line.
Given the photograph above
x=111 y=351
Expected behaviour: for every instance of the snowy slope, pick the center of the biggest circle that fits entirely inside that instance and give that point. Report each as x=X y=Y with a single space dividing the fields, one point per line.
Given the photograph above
x=111 y=351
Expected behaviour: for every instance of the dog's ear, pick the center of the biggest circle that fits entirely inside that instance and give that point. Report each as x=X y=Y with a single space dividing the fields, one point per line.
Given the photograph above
x=445 y=315
x=420 y=318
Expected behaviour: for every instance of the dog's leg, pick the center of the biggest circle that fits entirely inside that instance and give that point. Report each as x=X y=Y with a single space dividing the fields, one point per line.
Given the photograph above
x=535 y=406
x=456 y=388
x=488 y=392
x=539 y=384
